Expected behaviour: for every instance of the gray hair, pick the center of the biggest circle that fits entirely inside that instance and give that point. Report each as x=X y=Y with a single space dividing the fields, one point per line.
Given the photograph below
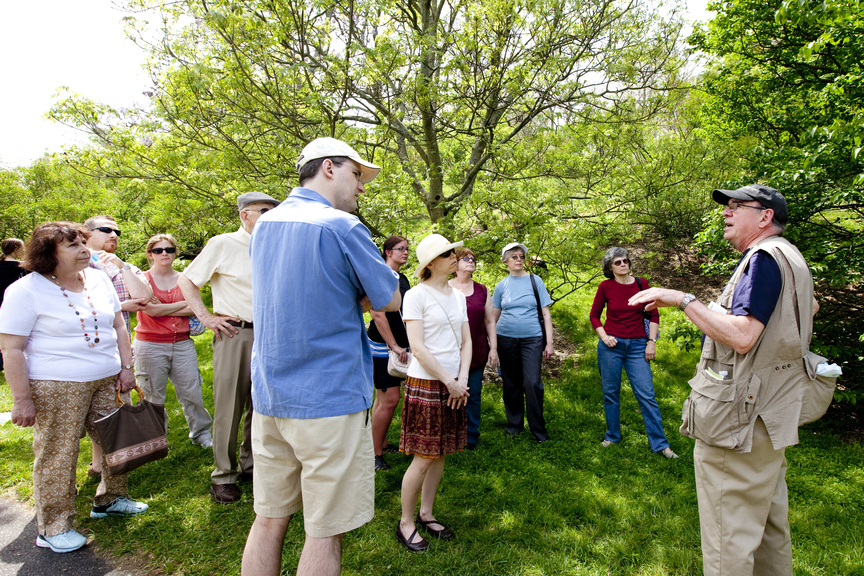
x=779 y=226
x=611 y=254
x=510 y=252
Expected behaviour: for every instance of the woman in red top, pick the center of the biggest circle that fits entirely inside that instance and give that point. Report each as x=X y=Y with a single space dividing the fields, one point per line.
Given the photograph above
x=624 y=345
x=163 y=348
x=484 y=341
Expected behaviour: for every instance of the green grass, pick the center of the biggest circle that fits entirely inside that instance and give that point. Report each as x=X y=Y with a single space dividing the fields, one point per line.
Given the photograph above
x=564 y=507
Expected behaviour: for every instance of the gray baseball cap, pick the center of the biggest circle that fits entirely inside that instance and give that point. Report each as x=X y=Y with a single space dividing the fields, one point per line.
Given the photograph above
x=250 y=198
x=768 y=197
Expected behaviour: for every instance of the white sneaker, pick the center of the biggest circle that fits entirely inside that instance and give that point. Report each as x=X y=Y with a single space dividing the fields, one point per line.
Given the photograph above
x=668 y=453
x=121 y=506
x=66 y=542
x=606 y=443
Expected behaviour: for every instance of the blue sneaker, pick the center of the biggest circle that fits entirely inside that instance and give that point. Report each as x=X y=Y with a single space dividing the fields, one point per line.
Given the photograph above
x=121 y=506
x=66 y=542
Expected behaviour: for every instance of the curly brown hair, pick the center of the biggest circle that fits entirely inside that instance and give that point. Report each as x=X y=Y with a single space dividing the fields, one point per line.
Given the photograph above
x=42 y=246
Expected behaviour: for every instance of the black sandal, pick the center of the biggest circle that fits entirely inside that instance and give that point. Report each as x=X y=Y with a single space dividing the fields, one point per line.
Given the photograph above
x=420 y=546
x=443 y=534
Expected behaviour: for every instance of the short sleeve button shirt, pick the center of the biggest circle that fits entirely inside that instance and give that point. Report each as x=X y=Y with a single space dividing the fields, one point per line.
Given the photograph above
x=311 y=265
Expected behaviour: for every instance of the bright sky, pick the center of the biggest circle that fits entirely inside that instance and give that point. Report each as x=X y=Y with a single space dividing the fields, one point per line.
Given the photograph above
x=46 y=44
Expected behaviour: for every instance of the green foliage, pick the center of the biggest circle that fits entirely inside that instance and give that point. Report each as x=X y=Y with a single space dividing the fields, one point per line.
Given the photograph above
x=785 y=88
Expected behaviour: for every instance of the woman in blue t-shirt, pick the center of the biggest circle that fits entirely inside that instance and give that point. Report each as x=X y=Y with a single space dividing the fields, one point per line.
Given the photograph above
x=523 y=342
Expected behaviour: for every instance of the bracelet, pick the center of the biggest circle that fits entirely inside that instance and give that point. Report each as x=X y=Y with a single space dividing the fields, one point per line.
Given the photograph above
x=126 y=267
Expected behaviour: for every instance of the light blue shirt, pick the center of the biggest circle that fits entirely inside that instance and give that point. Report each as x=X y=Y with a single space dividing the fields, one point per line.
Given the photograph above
x=311 y=264
x=514 y=296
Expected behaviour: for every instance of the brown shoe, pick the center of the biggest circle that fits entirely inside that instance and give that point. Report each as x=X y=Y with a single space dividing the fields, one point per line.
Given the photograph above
x=224 y=493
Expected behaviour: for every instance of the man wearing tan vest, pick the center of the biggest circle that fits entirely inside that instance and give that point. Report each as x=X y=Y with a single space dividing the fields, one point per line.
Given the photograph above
x=746 y=400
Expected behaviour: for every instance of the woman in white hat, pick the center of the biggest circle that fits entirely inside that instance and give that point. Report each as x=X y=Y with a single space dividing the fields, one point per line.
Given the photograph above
x=434 y=422
x=521 y=307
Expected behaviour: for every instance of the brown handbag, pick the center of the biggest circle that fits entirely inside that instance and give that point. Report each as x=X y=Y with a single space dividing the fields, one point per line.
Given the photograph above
x=132 y=435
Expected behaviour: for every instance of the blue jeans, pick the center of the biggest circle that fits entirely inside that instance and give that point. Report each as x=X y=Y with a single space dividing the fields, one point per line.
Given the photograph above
x=475 y=388
x=629 y=354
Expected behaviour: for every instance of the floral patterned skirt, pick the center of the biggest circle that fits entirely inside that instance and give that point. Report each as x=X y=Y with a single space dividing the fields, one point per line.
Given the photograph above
x=430 y=428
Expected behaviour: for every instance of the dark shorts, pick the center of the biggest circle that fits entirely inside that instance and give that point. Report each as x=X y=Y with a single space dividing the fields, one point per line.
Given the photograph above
x=382 y=379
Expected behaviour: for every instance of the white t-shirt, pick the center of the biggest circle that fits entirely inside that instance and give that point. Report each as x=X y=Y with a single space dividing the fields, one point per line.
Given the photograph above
x=56 y=350
x=420 y=304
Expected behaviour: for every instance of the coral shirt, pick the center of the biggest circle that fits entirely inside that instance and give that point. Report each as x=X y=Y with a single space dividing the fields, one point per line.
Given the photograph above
x=162 y=328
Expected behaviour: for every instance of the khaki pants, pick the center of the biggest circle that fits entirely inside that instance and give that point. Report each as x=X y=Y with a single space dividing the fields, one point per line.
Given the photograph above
x=744 y=509
x=63 y=410
x=232 y=400
x=156 y=362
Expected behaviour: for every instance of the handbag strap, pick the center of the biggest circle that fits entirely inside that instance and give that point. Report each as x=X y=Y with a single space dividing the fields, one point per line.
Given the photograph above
x=645 y=313
x=430 y=291
x=539 y=308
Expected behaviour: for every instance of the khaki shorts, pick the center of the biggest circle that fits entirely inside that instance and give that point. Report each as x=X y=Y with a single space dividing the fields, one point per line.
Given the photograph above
x=323 y=465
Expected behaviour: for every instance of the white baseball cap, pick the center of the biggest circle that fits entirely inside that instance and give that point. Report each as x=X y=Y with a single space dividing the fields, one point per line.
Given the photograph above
x=511 y=246
x=331 y=147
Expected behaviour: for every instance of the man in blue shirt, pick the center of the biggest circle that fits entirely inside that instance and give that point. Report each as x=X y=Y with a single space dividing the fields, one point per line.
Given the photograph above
x=315 y=271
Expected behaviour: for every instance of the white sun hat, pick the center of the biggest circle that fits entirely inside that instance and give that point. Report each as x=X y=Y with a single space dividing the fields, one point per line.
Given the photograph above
x=430 y=248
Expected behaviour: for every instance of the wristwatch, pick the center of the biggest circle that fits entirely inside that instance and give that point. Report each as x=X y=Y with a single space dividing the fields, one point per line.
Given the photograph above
x=652 y=340
x=687 y=299
x=127 y=366
x=126 y=267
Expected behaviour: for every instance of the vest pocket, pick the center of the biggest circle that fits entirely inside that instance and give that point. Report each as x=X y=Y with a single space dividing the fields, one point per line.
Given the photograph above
x=716 y=410
x=816 y=392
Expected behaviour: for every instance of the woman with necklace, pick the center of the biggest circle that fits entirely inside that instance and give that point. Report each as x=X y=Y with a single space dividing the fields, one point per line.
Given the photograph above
x=433 y=412
x=163 y=348
x=484 y=341
x=625 y=345
x=387 y=333
x=66 y=351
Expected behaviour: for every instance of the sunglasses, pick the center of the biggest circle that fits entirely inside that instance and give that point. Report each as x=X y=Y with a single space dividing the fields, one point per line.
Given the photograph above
x=446 y=254
x=168 y=250
x=108 y=230
x=261 y=210
x=469 y=259
x=517 y=257
x=620 y=262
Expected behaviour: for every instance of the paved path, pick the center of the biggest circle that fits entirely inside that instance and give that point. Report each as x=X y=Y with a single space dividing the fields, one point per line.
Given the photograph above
x=19 y=555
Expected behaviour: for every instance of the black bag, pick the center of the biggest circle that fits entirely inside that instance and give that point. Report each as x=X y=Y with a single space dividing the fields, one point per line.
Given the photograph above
x=132 y=435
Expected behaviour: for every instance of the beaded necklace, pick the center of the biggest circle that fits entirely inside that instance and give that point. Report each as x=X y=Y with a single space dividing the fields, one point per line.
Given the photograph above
x=77 y=313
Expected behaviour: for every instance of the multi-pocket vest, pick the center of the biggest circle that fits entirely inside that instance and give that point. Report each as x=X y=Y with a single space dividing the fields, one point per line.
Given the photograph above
x=775 y=380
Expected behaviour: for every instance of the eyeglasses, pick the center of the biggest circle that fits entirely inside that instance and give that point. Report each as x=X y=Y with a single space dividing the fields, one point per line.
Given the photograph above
x=620 y=262
x=446 y=254
x=168 y=250
x=261 y=210
x=107 y=230
x=735 y=204
x=469 y=259
x=400 y=249
x=517 y=257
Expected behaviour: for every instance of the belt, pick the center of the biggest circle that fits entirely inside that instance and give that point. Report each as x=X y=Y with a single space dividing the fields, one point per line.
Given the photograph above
x=241 y=324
